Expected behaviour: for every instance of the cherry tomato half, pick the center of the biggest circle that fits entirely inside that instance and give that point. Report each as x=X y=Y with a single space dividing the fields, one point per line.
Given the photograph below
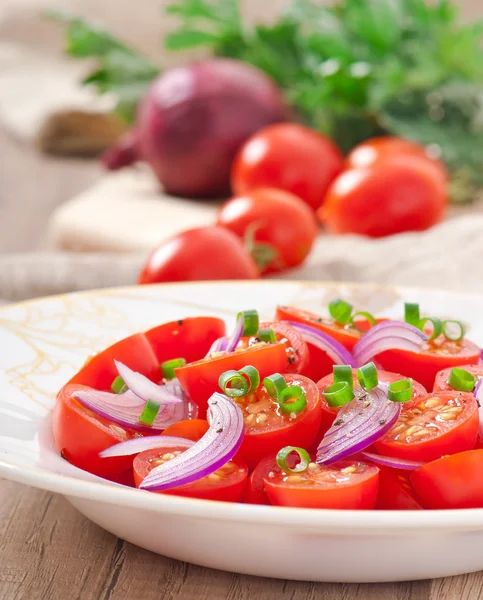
x=454 y=481
x=288 y=157
x=434 y=356
x=267 y=429
x=226 y=484
x=439 y=423
x=255 y=491
x=396 y=491
x=344 y=485
x=193 y=429
x=200 y=379
x=441 y=382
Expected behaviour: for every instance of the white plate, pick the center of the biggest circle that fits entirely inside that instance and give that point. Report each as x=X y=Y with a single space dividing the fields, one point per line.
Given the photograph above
x=42 y=343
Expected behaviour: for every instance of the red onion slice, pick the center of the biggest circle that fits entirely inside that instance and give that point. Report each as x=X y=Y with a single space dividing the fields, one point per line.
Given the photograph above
x=212 y=451
x=140 y=444
x=358 y=425
x=144 y=387
x=394 y=463
x=218 y=345
x=236 y=336
x=323 y=341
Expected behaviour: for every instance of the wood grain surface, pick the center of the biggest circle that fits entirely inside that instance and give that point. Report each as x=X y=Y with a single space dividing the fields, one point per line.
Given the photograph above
x=49 y=551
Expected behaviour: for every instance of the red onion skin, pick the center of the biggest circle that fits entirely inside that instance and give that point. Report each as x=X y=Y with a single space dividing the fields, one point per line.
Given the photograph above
x=194 y=119
x=123 y=153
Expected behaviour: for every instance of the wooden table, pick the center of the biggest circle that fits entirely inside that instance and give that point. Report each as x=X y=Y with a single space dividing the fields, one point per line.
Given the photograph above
x=48 y=550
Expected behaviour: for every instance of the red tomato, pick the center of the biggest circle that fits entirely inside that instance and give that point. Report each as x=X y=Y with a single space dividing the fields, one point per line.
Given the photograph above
x=441 y=382
x=452 y=481
x=267 y=429
x=283 y=227
x=134 y=351
x=193 y=429
x=403 y=194
x=189 y=338
x=396 y=491
x=255 y=491
x=434 y=356
x=376 y=150
x=226 y=484
x=289 y=157
x=202 y=254
x=80 y=435
x=329 y=412
x=345 y=484
x=438 y=424
x=200 y=379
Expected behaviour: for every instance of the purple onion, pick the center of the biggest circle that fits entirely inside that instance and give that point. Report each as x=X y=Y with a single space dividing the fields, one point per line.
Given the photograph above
x=140 y=444
x=144 y=387
x=236 y=336
x=323 y=341
x=219 y=345
x=394 y=463
x=219 y=444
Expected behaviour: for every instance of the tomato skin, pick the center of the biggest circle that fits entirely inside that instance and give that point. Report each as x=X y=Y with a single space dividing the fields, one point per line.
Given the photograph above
x=455 y=436
x=377 y=150
x=289 y=157
x=189 y=338
x=454 y=481
x=135 y=351
x=403 y=194
x=301 y=432
x=360 y=494
x=193 y=429
x=80 y=436
x=294 y=340
x=396 y=491
x=423 y=366
x=441 y=381
x=278 y=219
x=231 y=490
x=200 y=379
x=189 y=256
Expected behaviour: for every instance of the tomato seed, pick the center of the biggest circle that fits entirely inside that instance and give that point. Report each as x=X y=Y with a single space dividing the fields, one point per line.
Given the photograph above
x=167 y=456
x=347 y=470
x=432 y=403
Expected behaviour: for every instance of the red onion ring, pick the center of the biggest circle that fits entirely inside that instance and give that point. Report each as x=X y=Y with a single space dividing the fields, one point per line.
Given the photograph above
x=140 y=444
x=219 y=444
x=323 y=341
x=394 y=463
x=236 y=336
x=218 y=345
x=358 y=425
x=144 y=387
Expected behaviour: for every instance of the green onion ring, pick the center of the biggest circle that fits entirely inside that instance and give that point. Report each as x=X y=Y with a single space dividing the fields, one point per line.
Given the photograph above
x=284 y=453
x=343 y=373
x=401 y=390
x=448 y=324
x=437 y=327
x=169 y=366
x=338 y=394
x=267 y=335
x=411 y=313
x=367 y=376
x=250 y=322
x=292 y=400
x=253 y=377
x=461 y=380
x=364 y=315
x=340 y=311
x=118 y=386
x=233 y=384
x=274 y=384
x=149 y=413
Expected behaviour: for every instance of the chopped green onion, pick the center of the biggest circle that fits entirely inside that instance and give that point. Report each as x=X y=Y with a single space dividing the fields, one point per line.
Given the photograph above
x=461 y=380
x=401 y=390
x=340 y=311
x=274 y=384
x=149 y=413
x=233 y=384
x=253 y=377
x=118 y=386
x=169 y=366
x=267 y=335
x=343 y=373
x=338 y=394
x=250 y=322
x=454 y=330
x=435 y=324
x=411 y=314
x=363 y=315
x=284 y=453
x=292 y=400
x=367 y=376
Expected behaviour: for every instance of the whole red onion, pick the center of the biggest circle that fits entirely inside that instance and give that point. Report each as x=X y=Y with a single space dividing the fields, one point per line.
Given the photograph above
x=192 y=122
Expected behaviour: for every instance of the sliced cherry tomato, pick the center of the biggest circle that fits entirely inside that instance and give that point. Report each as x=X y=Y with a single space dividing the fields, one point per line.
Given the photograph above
x=135 y=351
x=441 y=382
x=289 y=157
x=226 y=484
x=454 y=481
x=439 y=423
x=396 y=491
x=436 y=355
x=200 y=379
x=189 y=338
x=80 y=435
x=345 y=484
x=267 y=429
x=193 y=429
x=255 y=491
x=329 y=412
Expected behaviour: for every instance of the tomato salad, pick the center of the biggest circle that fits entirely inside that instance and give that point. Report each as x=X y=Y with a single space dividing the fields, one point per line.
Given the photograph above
x=338 y=410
